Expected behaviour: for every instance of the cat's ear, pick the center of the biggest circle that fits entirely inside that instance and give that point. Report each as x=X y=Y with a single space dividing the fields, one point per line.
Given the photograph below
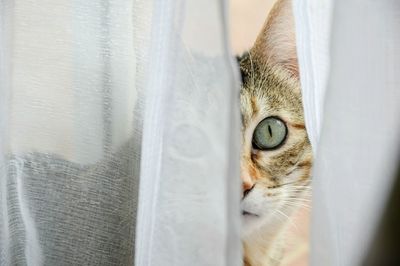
x=276 y=44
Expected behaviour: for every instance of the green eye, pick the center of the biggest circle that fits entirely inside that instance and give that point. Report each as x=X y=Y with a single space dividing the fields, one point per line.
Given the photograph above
x=269 y=134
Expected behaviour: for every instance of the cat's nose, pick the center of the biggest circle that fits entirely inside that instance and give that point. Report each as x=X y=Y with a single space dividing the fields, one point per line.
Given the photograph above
x=247 y=190
x=247 y=187
x=247 y=183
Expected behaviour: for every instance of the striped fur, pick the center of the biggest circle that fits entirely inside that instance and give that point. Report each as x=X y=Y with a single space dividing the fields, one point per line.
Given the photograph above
x=277 y=181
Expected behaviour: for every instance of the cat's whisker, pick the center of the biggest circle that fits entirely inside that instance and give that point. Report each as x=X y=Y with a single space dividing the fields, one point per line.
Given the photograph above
x=309 y=191
x=288 y=186
x=274 y=259
x=308 y=199
x=283 y=219
x=298 y=188
x=296 y=204
x=297 y=198
x=291 y=201
x=295 y=183
x=289 y=219
x=306 y=192
x=307 y=208
x=282 y=216
x=307 y=202
x=305 y=195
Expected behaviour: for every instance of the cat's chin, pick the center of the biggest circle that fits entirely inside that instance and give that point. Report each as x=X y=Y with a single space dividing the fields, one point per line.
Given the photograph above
x=250 y=223
x=253 y=224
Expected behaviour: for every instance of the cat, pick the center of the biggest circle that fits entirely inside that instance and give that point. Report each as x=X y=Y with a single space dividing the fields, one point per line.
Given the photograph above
x=276 y=156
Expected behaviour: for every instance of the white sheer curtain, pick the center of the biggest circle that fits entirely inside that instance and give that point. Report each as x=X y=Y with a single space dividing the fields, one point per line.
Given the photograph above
x=313 y=25
x=107 y=107
x=189 y=190
x=355 y=107
x=99 y=95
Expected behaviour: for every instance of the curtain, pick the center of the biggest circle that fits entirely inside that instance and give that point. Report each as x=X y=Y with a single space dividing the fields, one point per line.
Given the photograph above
x=313 y=24
x=118 y=134
x=189 y=190
x=119 y=130
x=351 y=101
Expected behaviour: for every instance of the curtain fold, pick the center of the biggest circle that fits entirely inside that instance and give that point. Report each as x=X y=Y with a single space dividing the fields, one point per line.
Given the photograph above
x=313 y=33
x=68 y=156
x=189 y=185
x=352 y=117
x=104 y=103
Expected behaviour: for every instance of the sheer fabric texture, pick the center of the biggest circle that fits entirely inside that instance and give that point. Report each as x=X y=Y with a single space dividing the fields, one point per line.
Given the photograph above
x=353 y=121
x=99 y=99
x=119 y=132
x=189 y=191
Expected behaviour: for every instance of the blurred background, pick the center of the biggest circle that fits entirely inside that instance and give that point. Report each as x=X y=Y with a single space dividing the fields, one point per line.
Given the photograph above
x=246 y=20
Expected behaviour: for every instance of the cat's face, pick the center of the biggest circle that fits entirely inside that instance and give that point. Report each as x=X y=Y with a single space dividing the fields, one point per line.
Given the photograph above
x=276 y=155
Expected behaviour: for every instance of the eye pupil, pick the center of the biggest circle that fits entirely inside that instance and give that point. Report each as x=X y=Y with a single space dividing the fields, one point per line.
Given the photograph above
x=269 y=134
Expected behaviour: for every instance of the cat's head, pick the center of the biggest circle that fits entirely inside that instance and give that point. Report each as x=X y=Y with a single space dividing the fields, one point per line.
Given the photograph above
x=276 y=154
